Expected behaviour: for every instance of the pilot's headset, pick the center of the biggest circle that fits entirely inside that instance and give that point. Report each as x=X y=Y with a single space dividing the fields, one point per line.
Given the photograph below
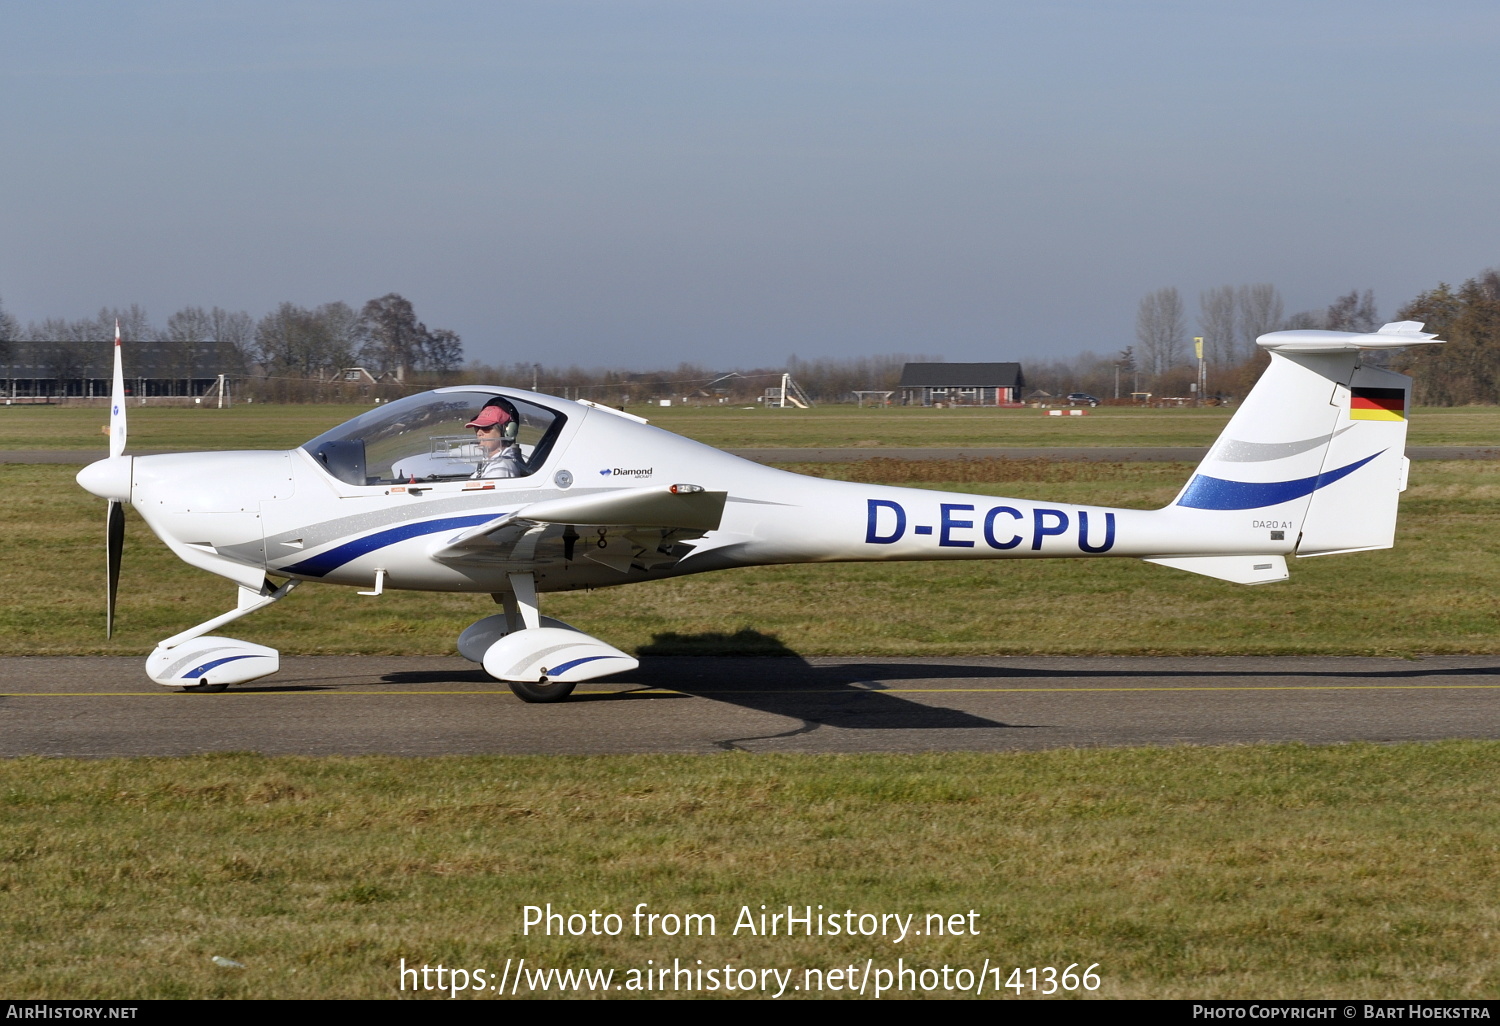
x=504 y=413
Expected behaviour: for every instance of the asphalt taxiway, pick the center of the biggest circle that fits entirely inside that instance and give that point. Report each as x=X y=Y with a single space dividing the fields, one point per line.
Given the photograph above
x=324 y=705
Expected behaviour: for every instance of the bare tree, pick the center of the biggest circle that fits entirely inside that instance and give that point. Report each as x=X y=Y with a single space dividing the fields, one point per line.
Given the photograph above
x=1260 y=311
x=9 y=329
x=444 y=351
x=1216 y=322
x=340 y=337
x=218 y=340
x=235 y=332
x=1125 y=364
x=392 y=338
x=1303 y=319
x=190 y=325
x=307 y=343
x=135 y=326
x=286 y=343
x=1160 y=328
x=186 y=336
x=69 y=355
x=1352 y=312
x=9 y=332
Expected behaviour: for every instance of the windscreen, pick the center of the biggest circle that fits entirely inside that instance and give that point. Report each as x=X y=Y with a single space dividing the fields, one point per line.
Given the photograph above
x=423 y=437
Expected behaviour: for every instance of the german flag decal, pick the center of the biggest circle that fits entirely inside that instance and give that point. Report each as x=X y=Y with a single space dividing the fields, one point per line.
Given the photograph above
x=1377 y=404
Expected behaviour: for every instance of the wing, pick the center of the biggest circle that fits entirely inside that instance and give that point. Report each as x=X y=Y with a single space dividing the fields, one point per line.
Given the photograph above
x=645 y=528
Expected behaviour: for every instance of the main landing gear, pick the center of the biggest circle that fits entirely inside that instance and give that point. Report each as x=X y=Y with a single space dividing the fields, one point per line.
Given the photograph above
x=542 y=659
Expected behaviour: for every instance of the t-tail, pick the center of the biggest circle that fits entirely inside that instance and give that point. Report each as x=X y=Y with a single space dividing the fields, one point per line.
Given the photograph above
x=1314 y=457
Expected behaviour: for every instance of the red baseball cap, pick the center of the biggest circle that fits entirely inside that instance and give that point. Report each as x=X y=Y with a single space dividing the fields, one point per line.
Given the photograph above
x=488 y=417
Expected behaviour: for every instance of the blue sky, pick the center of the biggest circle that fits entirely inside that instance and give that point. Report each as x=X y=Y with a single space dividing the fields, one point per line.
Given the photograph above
x=640 y=183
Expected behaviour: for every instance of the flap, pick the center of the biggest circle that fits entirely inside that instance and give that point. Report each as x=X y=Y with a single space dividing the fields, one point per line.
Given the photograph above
x=636 y=507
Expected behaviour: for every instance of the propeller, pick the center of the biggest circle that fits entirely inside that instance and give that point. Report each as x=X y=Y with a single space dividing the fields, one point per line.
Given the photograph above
x=114 y=544
x=114 y=524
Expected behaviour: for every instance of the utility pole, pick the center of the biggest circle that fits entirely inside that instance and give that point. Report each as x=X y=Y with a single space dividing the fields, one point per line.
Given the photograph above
x=1198 y=349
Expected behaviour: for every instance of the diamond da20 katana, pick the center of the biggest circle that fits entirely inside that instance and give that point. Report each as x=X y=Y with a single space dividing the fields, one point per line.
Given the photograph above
x=1310 y=464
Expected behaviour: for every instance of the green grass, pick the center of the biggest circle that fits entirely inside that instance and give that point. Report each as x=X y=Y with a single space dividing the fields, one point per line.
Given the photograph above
x=1104 y=426
x=1424 y=596
x=283 y=427
x=1263 y=871
x=1266 y=871
x=167 y=428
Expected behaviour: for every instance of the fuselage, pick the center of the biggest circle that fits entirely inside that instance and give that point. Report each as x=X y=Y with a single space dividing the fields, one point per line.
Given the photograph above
x=338 y=512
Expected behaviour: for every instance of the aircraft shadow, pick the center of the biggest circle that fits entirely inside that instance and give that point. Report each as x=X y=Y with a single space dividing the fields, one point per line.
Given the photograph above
x=758 y=671
x=949 y=671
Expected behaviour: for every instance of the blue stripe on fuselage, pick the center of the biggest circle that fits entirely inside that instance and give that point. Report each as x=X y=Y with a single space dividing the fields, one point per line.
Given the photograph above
x=1205 y=492
x=325 y=563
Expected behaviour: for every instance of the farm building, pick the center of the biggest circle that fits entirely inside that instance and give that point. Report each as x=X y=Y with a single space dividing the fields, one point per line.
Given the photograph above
x=69 y=368
x=961 y=384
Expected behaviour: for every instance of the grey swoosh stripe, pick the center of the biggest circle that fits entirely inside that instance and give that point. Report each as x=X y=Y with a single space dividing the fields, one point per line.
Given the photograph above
x=1232 y=450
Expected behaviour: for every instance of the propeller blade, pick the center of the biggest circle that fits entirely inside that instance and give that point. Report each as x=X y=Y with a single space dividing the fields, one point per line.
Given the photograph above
x=114 y=545
x=117 y=403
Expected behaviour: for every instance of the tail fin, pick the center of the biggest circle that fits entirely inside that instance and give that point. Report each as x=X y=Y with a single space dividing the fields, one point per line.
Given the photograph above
x=1316 y=451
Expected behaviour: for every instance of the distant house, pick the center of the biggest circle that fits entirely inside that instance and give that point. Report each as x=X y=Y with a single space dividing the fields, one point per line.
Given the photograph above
x=961 y=384
x=362 y=376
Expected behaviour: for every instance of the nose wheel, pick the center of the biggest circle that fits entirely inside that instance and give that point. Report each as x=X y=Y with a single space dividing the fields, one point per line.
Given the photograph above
x=538 y=691
x=210 y=688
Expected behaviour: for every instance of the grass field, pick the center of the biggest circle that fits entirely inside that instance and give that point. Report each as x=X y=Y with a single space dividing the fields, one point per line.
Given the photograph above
x=282 y=427
x=1262 y=871
x=1277 y=871
x=1420 y=597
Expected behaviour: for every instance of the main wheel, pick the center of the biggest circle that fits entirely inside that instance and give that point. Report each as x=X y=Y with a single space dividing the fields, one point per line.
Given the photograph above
x=540 y=690
x=212 y=688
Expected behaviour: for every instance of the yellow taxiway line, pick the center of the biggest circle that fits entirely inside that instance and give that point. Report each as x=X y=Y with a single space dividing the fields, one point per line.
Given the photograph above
x=648 y=691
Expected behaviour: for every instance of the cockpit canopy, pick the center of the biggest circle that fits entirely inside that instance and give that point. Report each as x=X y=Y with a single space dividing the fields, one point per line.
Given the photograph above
x=423 y=437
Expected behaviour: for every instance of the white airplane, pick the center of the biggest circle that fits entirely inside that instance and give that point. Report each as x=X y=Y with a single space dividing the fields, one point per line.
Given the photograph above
x=1310 y=464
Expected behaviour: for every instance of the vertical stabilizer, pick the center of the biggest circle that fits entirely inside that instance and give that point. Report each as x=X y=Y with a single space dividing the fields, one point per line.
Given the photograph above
x=1270 y=457
x=1315 y=455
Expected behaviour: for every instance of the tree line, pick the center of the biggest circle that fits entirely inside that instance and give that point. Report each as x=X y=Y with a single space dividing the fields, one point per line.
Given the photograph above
x=294 y=343
x=1229 y=320
x=1465 y=371
x=384 y=336
x=825 y=380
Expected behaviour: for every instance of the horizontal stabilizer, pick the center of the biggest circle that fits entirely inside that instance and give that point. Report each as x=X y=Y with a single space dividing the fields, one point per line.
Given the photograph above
x=1235 y=569
x=1396 y=335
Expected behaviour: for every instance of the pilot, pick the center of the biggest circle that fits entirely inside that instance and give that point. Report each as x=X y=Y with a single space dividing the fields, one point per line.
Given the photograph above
x=495 y=430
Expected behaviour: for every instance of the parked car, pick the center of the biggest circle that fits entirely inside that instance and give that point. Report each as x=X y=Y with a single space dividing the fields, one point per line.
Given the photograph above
x=1074 y=398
